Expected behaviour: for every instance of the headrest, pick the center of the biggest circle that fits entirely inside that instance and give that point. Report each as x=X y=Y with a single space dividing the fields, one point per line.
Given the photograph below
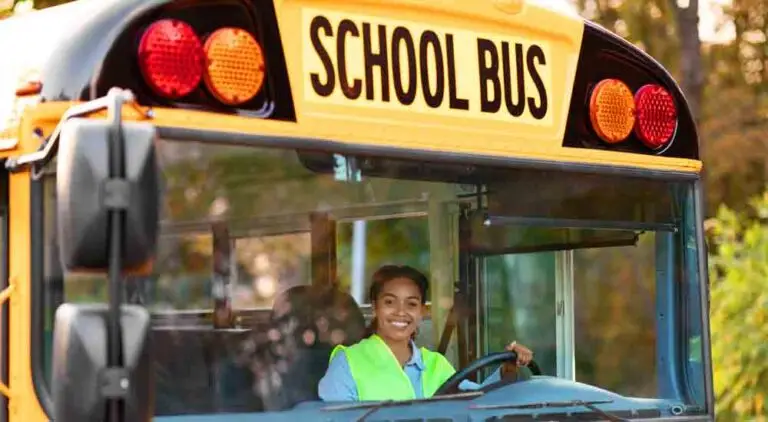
x=318 y=315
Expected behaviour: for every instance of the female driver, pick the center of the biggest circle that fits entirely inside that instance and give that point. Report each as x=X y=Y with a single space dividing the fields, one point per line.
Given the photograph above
x=387 y=365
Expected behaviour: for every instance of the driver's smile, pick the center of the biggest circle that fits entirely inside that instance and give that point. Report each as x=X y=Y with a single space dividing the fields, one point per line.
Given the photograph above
x=400 y=324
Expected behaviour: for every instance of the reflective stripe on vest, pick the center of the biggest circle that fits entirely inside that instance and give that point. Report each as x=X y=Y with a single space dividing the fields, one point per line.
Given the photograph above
x=379 y=376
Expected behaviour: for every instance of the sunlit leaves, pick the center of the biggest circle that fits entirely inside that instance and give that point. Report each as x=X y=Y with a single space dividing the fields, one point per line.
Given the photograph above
x=739 y=311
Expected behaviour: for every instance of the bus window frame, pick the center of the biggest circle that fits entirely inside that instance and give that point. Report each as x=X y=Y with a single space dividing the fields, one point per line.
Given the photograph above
x=277 y=225
x=704 y=295
x=257 y=227
x=37 y=292
x=218 y=137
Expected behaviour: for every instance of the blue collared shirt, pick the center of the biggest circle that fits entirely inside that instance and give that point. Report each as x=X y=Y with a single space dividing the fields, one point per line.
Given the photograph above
x=338 y=385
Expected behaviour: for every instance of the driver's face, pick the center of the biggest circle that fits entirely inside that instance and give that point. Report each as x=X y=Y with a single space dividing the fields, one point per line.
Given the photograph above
x=398 y=309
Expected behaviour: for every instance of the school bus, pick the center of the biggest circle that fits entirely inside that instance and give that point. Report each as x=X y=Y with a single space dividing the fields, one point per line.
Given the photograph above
x=195 y=193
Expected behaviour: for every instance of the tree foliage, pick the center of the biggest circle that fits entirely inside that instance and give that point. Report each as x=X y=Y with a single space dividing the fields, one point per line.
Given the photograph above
x=739 y=311
x=735 y=149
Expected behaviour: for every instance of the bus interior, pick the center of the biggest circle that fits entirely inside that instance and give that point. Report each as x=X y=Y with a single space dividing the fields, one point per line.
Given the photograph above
x=265 y=254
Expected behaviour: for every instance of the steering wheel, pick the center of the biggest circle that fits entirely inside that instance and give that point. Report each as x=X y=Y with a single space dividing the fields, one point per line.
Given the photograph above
x=451 y=384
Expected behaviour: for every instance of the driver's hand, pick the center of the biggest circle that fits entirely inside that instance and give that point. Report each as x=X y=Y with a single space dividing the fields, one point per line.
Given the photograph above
x=524 y=356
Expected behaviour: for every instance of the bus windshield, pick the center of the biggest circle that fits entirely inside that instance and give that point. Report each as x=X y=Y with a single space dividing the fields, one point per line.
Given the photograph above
x=597 y=273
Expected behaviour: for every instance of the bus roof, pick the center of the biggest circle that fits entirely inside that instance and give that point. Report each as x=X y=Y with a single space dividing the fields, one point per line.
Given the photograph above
x=469 y=63
x=25 y=58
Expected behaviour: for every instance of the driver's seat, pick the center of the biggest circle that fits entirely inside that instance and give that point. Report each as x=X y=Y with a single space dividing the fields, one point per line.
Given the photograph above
x=310 y=321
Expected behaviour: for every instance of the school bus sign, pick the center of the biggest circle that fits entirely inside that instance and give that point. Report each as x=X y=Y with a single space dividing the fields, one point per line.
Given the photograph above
x=352 y=59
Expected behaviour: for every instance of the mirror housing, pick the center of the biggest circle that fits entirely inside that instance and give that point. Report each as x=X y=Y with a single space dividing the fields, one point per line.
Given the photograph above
x=80 y=370
x=86 y=194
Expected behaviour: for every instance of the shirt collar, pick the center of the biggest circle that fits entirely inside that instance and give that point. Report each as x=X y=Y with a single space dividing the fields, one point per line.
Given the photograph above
x=416 y=359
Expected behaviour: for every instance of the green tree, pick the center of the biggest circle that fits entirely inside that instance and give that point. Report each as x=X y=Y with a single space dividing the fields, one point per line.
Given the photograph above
x=751 y=26
x=733 y=124
x=735 y=148
x=739 y=310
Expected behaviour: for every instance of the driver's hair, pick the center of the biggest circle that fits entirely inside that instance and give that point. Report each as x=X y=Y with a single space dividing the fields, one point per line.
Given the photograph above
x=387 y=273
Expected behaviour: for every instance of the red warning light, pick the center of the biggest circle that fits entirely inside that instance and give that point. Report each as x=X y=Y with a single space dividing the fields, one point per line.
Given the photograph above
x=171 y=58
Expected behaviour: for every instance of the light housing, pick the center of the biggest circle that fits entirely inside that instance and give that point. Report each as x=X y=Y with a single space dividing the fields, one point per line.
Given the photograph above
x=235 y=68
x=171 y=58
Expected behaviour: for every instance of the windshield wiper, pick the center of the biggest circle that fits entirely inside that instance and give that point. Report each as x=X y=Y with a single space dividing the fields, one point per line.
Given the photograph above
x=540 y=405
x=376 y=405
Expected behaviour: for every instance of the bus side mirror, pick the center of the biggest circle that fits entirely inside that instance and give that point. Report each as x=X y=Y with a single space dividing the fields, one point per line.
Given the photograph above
x=85 y=194
x=85 y=381
x=81 y=380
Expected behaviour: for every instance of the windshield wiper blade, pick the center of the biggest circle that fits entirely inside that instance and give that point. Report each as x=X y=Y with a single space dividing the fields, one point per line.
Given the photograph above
x=376 y=405
x=540 y=405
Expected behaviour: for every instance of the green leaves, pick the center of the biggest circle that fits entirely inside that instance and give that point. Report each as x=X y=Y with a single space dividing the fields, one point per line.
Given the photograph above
x=739 y=311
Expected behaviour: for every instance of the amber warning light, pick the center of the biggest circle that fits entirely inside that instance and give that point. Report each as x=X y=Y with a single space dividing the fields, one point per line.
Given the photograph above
x=235 y=70
x=175 y=60
x=615 y=113
x=612 y=110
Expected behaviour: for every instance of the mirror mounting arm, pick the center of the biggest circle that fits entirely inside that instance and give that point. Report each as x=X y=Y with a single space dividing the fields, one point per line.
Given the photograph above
x=47 y=150
x=116 y=199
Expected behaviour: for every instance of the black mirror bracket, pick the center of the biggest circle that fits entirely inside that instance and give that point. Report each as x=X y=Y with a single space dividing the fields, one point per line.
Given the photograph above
x=116 y=97
x=115 y=383
x=116 y=199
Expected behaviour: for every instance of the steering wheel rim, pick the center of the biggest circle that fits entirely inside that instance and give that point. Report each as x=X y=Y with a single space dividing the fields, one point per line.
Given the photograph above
x=453 y=382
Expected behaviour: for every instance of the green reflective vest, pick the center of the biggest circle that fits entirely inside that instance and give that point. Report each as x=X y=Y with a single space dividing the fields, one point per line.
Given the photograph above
x=379 y=376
